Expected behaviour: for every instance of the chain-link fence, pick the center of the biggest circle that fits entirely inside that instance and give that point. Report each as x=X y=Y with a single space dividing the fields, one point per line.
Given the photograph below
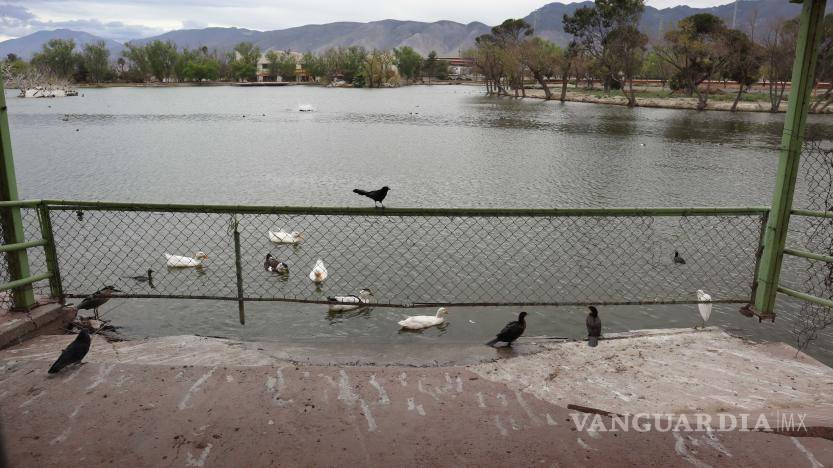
x=412 y=257
x=812 y=234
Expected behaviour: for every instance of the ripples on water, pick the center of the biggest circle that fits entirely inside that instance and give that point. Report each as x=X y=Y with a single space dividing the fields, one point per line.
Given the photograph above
x=445 y=146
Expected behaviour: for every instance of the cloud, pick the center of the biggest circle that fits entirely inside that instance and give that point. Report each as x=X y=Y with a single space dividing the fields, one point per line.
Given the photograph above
x=17 y=20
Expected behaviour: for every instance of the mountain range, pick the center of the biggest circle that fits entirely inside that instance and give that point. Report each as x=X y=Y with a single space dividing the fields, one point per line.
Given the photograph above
x=447 y=38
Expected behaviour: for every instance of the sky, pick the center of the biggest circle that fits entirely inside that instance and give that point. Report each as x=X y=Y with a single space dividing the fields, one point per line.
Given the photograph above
x=122 y=20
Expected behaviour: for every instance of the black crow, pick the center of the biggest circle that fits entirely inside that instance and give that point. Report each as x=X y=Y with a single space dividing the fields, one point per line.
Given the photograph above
x=142 y=278
x=511 y=332
x=678 y=259
x=97 y=299
x=594 y=327
x=73 y=353
x=376 y=195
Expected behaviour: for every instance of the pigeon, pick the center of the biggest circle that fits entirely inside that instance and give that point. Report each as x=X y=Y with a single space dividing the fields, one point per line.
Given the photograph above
x=678 y=259
x=97 y=299
x=594 y=327
x=704 y=306
x=274 y=265
x=73 y=353
x=376 y=195
x=511 y=332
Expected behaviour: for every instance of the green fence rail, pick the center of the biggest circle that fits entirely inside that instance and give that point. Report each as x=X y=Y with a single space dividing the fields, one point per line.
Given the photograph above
x=409 y=257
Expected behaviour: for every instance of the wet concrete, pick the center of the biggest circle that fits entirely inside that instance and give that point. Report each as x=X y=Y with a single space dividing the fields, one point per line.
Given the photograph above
x=189 y=401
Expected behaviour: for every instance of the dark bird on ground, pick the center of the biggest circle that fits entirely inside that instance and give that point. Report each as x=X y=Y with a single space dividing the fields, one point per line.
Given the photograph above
x=511 y=332
x=97 y=299
x=143 y=278
x=594 y=327
x=678 y=259
x=73 y=353
x=274 y=265
x=376 y=195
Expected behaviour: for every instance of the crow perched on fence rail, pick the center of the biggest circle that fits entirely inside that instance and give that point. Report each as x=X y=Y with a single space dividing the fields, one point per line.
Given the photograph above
x=375 y=195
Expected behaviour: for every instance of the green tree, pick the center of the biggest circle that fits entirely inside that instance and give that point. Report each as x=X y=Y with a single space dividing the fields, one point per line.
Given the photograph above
x=743 y=62
x=408 y=61
x=139 y=66
x=697 y=51
x=608 y=34
x=314 y=65
x=162 y=58
x=96 y=60
x=244 y=66
x=541 y=57
x=57 y=58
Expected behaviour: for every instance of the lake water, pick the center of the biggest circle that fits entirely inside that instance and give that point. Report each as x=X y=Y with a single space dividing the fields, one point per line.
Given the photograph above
x=443 y=146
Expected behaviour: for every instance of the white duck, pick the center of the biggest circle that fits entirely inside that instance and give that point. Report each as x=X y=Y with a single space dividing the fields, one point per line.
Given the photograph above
x=179 y=261
x=305 y=108
x=343 y=303
x=418 y=322
x=705 y=306
x=319 y=272
x=283 y=237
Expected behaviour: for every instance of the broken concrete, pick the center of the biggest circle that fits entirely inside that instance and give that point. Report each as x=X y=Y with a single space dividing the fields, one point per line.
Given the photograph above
x=46 y=318
x=189 y=401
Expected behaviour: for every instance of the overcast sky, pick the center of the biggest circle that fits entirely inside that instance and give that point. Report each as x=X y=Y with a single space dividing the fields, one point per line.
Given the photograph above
x=122 y=20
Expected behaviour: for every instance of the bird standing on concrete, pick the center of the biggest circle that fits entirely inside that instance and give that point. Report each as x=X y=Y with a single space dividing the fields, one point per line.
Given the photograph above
x=73 y=353
x=376 y=195
x=511 y=332
x=594 y=327
x=705 y=306
x=97 y=299
x=678 y=259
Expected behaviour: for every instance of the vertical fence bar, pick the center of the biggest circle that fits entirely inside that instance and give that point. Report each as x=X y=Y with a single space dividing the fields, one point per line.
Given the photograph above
x=801 y=89
x=238 y=266
x=758 y=254
x=55 y=285
x=13 y=233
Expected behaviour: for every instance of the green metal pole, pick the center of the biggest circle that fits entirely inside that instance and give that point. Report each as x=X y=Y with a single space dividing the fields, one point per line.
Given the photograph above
x=51 y=251
x=791 y=142
x=238 y=269
x=13 y=233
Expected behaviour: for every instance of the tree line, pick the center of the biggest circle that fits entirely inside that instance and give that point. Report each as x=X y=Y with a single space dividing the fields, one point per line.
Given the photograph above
x=607 y=46
x=159 y=61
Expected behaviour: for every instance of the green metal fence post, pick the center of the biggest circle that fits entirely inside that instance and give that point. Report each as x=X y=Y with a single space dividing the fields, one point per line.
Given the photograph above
x=239 y=271
x=18 y=261
x=801 y=90
x=51 y=251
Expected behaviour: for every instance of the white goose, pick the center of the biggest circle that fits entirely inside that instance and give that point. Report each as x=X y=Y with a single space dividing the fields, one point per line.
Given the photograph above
x=705 y=306
x=179 y=261
x=418 y=322
x=283 y=237
x=319 y=272
x=343 y=303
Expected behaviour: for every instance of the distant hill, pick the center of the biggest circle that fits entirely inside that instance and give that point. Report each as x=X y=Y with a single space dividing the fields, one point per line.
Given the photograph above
x=27 y=46
x=447 y=38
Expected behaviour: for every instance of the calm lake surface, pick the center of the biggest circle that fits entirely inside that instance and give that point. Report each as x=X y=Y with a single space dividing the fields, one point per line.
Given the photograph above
x=443 y=146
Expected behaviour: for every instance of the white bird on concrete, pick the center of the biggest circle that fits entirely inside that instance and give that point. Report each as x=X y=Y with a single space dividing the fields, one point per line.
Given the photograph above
x=705 y=306
x=179 y=261
x=283 y=237
x=342 y=303
x=319 y=272
x=417 y=322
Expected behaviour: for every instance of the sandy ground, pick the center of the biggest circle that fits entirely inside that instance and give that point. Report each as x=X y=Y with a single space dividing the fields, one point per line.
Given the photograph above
x=190 y=401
